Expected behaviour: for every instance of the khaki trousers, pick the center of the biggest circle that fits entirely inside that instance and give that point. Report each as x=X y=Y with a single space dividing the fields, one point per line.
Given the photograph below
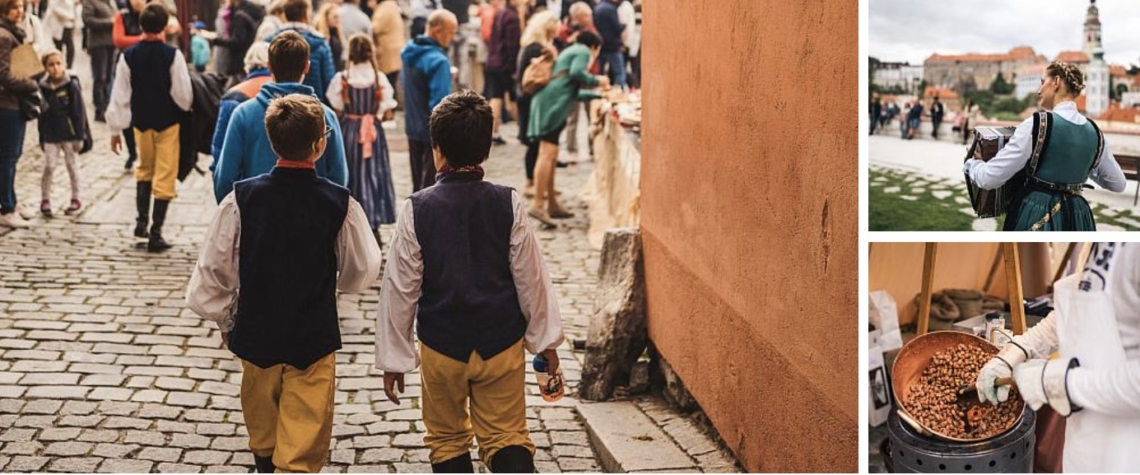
x=289 y=412
x=158 y=160
x=481 y=399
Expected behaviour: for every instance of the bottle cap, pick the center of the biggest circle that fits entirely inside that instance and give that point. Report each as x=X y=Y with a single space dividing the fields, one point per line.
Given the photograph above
x=540 y=364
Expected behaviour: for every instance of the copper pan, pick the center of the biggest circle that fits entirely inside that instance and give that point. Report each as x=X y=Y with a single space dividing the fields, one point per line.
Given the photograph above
x=915 y=357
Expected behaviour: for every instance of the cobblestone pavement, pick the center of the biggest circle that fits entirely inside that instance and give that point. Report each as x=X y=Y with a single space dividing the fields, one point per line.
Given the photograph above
x=103 y=369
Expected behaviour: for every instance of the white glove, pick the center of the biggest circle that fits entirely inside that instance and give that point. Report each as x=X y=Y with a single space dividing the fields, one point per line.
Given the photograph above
x=1043 y=382
x=1001 y=366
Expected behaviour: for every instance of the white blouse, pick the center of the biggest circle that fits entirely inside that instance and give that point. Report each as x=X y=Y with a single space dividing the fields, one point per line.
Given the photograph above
x=361 y=75
x=1013 y=157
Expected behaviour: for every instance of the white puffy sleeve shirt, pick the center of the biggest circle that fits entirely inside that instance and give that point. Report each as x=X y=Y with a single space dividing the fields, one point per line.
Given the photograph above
x=403 y=277
x=1013 y=157
x=361 y=75
x=214 y=285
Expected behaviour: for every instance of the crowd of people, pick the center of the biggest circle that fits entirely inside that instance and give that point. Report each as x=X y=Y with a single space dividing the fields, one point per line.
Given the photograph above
x=912 y=112
x=361 y=55
x=302 y=176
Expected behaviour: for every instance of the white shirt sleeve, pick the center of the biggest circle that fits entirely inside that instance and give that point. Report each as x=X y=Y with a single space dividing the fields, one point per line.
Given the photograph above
x=1041 y=340
x=214 y=285
x=180 y=89
x=1009 y=160
x=399 y=298
x=357 y=253
x=336 y=87
x=388 y=95
x=119 y=109
x=532 y=283
x=1107 y=173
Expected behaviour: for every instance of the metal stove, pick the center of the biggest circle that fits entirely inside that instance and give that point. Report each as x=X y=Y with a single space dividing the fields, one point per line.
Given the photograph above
x=910 y=452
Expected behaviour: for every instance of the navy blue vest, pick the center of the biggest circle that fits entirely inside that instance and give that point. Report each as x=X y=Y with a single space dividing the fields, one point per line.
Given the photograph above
x=152 y=108
x=468 y=301
x=290 y=220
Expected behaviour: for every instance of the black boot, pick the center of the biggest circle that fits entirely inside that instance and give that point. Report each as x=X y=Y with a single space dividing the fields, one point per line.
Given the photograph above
x=156 y=243
x=512 y=459
x=264 y=464
x=460 y=464
x=142 y=200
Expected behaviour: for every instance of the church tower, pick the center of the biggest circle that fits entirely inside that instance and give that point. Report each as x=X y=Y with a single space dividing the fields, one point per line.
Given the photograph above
x=1092 y=29
x=1097 y=85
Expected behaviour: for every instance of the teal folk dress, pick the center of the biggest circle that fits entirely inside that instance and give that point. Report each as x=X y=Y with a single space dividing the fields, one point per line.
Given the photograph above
x=1051 y=199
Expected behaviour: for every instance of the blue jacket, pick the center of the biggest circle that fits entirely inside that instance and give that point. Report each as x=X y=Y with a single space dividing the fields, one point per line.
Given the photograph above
x=230 y=100
x=321 y=68
x=427 y=80
x=246 y=152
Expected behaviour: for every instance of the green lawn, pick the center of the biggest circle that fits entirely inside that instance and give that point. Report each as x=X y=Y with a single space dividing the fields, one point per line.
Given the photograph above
x=890 y=212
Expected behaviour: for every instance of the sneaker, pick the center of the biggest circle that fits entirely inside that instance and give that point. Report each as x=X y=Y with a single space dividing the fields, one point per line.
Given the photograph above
x=541 y=216
x=14 y=220
x=528 y=192
x=561 y=213
x=45 y=208
x=498 y=140
x=26 y=212
x=73 y=208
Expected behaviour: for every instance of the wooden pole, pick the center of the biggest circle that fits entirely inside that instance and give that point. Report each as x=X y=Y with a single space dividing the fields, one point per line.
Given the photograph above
x=1013 y=280
x=993 y=270
x=927 y=284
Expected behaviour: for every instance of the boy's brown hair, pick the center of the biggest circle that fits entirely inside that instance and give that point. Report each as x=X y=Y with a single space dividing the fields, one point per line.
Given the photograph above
x=461 y=127
x=296 y=10
x=288 y=57
x=295 y=123
x=154 y=18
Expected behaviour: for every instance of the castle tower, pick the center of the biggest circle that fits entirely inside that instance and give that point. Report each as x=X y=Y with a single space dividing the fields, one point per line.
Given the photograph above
x=1092 y=29
x=1097 y=85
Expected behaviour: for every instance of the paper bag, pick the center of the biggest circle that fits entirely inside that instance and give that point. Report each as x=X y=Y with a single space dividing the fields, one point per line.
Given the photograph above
x=884 y=315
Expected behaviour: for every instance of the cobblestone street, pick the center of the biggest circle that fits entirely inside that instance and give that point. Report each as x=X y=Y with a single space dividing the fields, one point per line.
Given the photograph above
x=104 y=369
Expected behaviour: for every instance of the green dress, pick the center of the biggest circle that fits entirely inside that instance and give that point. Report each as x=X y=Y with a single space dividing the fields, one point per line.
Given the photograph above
x=551 y=106
x=1051 y=199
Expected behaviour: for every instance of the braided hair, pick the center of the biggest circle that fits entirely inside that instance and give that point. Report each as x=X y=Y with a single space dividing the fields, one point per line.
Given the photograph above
x=1069 y=74
x=360 y=49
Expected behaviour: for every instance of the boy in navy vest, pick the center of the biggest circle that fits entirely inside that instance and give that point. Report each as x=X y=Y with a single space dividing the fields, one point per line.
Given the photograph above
x=151 y=101
x=466 y=270
x=281 y=238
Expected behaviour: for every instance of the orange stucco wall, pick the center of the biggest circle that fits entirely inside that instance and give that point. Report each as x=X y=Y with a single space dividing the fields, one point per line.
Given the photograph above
x=749 y=208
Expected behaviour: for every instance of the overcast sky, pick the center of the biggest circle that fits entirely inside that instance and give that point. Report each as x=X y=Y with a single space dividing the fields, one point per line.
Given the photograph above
x=910 y=30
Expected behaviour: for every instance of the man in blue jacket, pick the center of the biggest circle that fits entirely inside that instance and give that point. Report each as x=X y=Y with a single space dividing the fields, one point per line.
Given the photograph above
x=320 y=75
x=246 y=152
x=427 y=80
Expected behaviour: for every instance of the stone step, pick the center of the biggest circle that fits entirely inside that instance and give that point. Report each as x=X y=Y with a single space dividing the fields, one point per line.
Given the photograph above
x=627 y=440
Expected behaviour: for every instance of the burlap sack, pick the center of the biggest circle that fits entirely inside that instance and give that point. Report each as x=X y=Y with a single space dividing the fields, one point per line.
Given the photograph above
x=942 y=307
x=969 y=301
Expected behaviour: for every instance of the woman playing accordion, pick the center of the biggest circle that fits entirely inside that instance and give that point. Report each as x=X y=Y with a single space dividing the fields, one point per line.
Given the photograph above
x=1057 y=151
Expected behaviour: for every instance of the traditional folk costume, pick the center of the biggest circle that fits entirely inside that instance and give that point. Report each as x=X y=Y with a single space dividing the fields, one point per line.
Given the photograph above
x=292 y=232
x=467 y=268
x=1055 y=153
x=359 y=95
x=152 y=102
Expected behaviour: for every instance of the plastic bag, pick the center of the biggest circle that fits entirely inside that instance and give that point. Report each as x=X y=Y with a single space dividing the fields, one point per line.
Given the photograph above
x=884 y=315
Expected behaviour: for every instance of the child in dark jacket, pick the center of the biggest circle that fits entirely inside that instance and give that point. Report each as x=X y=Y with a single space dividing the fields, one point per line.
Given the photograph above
x=63 y=128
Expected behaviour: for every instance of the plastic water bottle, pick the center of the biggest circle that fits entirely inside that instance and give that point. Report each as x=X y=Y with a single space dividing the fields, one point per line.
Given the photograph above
x=549 y=385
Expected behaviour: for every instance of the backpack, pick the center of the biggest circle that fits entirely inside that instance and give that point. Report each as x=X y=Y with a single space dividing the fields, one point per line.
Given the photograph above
x=539 y=73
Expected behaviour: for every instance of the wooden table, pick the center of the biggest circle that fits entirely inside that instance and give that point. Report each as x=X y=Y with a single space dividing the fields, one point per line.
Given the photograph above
x=1130 y=165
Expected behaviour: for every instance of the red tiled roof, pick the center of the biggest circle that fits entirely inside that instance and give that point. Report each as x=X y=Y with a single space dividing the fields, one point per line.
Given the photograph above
x=1015 y=54
x=1073 y=57
x=943 y=93
x=1118 y=70
x=1120 y=114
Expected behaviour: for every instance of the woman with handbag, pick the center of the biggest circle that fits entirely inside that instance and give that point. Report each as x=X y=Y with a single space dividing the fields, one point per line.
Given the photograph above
x=13 y=90
x=538 y=46
x=549 y=109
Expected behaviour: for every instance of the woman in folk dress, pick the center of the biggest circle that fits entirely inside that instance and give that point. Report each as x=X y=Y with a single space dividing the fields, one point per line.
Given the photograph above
x=362 y=97
x=1070 y=149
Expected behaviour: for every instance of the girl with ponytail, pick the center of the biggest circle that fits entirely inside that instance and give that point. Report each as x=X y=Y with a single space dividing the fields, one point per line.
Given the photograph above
x=363 y=98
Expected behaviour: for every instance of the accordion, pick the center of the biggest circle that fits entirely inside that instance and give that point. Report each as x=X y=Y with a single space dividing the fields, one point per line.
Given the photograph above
x=991 y=203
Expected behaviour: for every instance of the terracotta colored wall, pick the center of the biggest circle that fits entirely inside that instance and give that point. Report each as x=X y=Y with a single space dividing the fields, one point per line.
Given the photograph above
x=750 y=220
